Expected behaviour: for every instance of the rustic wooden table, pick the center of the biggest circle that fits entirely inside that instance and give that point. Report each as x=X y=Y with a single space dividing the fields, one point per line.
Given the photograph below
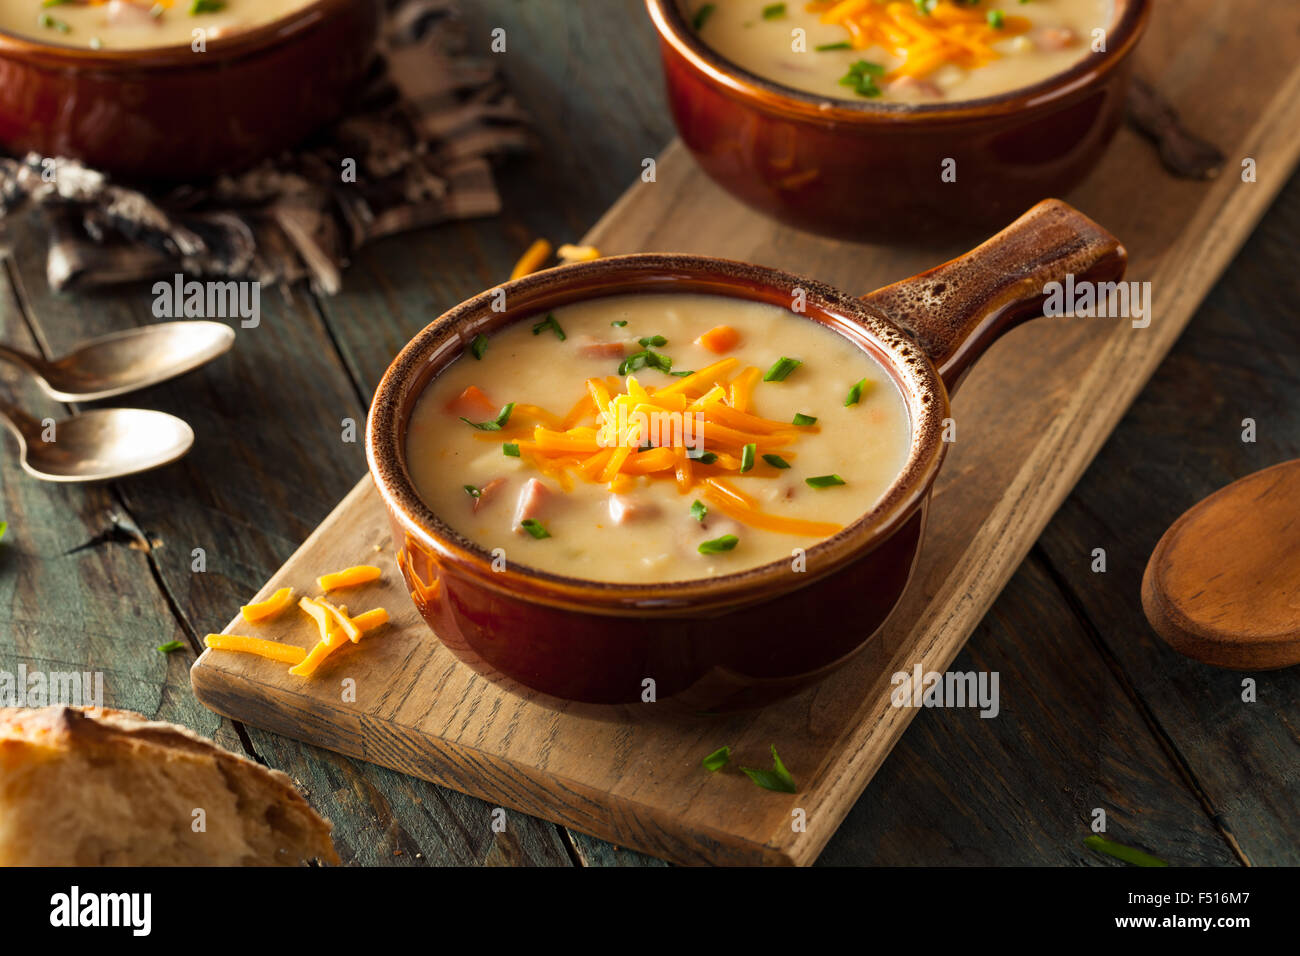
x=95 y=578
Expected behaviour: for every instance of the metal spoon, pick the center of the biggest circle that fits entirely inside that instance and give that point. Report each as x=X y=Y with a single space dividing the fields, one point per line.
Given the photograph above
x=99 y=444
x=125 y=361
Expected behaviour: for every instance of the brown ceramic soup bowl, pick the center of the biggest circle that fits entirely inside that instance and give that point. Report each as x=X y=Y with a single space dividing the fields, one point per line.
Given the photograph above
x=746 y=638
x=169 y=113
x=871 y=170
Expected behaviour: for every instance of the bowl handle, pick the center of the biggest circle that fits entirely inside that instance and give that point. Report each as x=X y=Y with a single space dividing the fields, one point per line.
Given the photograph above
x=957 y=310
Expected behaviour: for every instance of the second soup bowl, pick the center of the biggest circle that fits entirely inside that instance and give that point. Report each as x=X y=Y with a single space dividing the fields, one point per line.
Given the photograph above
x=870 y=169
x=742 y=639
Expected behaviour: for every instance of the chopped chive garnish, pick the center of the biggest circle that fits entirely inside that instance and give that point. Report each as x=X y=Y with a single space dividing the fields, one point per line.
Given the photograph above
x=860 y=77
x=801 y=419
x=1121 y=852
x=698 y=511
x=702 y=16
x=472 y=491
x=773 y=11
x=781 y=369
x=619 y=323
x=855 y=393
x=658 y=341
x=645 y=359
x=842 y=45
x=996 y=19
x=478 y=346
x=534 y=527
x=747 y=457
x=778 y=778
x=52 y=23
x=924 y=7
x=718 y=545
x=703 y=457
x=496 y=424
x=171 y=646
x=54 y=3
x=682 y=374
x=776 y=461
x=717 y=760
x=206 y=6
x=510 y=449
x=549 y=323
x=824 y=481
x=4 y=526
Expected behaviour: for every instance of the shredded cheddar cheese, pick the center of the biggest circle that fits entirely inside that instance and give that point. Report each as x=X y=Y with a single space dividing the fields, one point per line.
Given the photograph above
x=348 y=578
x=334 y=625
x=268 y=609
x=286 y=653
x=369 y=620
x=532 y=258
x=950 y=33
x=600 y=439
x=332 y=635
x=325 y=614
x=569 y=253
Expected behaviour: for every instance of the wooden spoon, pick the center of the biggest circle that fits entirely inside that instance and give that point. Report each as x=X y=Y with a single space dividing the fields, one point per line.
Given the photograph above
x=1223 y=584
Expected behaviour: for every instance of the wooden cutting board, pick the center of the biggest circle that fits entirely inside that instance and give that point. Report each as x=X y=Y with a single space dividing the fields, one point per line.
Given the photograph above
x=1029 y=420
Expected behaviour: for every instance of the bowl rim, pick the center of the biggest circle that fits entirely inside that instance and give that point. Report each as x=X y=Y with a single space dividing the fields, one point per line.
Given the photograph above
x=446 y=337
x=28 y=48
x=673 y=30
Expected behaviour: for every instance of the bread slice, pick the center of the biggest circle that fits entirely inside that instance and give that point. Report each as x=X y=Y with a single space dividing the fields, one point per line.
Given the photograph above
x=115 y=789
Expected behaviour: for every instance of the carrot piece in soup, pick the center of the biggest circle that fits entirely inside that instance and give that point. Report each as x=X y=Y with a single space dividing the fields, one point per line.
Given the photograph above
x=473 y=404
x=720 y=339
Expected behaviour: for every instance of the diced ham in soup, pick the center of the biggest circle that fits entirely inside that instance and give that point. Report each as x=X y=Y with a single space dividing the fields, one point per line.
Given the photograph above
x=532 y=501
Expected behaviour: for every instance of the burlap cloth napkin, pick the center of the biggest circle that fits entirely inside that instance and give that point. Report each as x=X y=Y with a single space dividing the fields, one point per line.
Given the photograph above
x=422 y=133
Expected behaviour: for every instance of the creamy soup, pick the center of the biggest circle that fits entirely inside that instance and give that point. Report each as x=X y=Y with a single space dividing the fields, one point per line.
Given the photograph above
x=901 y=51
x=782 y=433
x=137 y=24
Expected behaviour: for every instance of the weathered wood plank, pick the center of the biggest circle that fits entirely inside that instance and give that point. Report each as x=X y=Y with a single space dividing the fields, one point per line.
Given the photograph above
x=459 y=260
x=77 y=593
x=368 y=353
x=1021 y=788
x=269 y=460
x=1181 y=441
